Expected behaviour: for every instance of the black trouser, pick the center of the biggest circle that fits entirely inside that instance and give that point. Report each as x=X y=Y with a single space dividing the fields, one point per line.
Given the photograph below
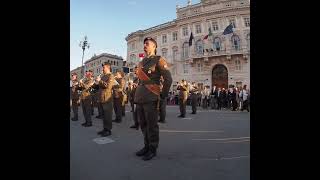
x=234 y=104
x=245 y=105
x=205 y=103
x=213 y=103
x=75 y=108
x=123 y=110
x=132 y=105
x=135 y=115
x=148 y=120
x=182 y=105
x=107 y=115
x=86 y=109
x=219 y=103
x=92 y=104
x=194 y=102
x=117 y=108
x=162 y=109
x=100 y=109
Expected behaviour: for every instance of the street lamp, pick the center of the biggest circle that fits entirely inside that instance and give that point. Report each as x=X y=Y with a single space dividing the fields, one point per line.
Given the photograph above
x=83 y=44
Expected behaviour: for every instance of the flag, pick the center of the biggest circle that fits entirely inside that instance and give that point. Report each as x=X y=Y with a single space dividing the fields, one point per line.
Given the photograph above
x=190 y=39
x=228 y=30
x=141 y=55
x=210 y=34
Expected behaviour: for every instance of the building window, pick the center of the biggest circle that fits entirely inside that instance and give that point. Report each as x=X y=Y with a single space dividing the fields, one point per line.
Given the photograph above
x=217 y=44
x=185 y=68
x=133 y=46
x=247 y=22
x=174 y=36
x=215 y=26
x=198 y=28
x=199 y=47
x=199 y=65
x=117 y=63
x=238 y=84
x=238 y=65
x=174 y=53
x=132 y=57
x=185 y=50
x=164 y=39
x=185 y=31
x=164 y=53
x=235 y=42
x=233 y=22
x=173 y=71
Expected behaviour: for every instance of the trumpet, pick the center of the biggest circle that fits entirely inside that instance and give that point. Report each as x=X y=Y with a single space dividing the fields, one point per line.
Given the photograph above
x=115 y=82
x=99 y=76
x=81 y=80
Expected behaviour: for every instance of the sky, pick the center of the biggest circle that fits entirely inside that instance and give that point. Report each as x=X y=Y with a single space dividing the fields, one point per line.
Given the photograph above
x=107 y=23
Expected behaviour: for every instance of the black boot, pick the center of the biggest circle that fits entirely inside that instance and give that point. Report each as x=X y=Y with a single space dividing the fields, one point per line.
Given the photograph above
x=88 y=124
x=106 y=133
x=135 y=127
x=101 y=132
x=74 y=119
x=143 y=151
x=161 y=121
x=150 y=154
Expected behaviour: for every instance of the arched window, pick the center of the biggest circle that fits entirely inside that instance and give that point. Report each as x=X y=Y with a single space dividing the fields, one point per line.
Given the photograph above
x=199 y=47
x=217 y=44
x=235 y=42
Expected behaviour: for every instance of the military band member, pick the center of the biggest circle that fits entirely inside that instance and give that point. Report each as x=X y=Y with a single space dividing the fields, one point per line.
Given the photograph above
x=134 y=113
x=194 y=97
x=118 y=96
x=105 y=83
x=183 y=96
x=147 y=96
x=74 y=96
x=85 y=85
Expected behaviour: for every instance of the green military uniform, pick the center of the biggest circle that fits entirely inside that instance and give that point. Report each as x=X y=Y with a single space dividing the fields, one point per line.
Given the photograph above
x=99 y=106
x=194 y=98
x=162 y=107
x=93 y=102
x=118 y=99
x=147 y=101
x=86 y=100
x=183 y=96
x=131 y=93
x=97 y=102
x=106 y=100
x=74 y=99
x=124 y=99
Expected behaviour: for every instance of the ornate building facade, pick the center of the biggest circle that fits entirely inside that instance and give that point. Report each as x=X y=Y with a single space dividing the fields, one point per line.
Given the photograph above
x=213 y=58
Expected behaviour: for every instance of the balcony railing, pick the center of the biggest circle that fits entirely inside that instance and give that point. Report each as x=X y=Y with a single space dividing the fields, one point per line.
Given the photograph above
x=213 y=53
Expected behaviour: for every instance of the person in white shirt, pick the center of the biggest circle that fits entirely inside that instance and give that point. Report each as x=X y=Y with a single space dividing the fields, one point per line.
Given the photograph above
x=244 y=95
